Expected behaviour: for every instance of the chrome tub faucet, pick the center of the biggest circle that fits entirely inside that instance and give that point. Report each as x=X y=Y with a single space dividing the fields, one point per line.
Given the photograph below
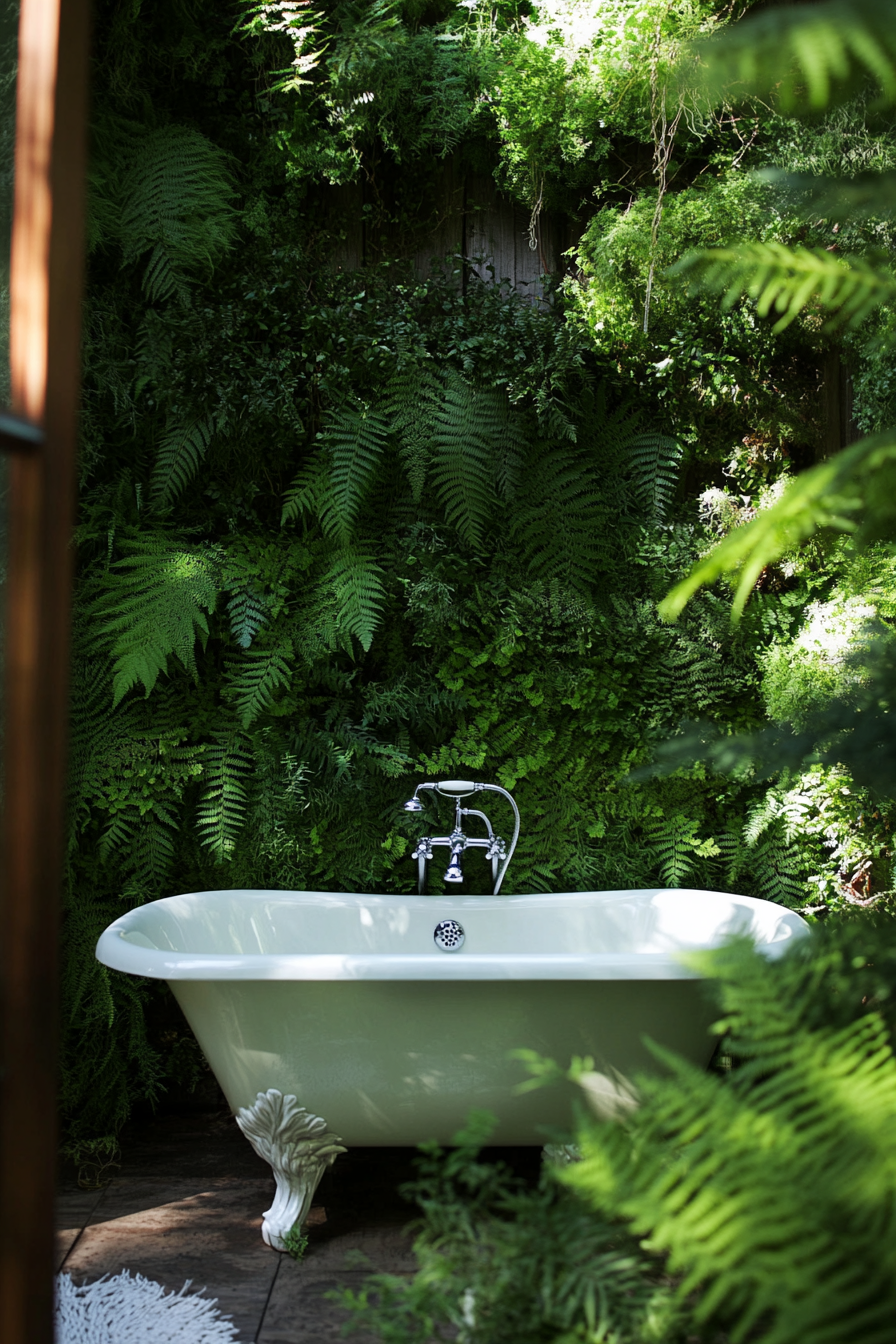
x=496 y=850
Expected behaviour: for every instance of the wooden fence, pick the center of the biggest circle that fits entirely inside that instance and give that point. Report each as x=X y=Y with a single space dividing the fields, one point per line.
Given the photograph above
x=470 y=219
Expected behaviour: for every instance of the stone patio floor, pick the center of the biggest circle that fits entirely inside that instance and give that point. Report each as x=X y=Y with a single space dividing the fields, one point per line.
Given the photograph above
x=186 y=1203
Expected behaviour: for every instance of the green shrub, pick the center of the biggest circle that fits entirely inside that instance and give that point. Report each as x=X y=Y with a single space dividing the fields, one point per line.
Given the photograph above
x=771 y=1189
x=503 y=1262
x=757 y=1200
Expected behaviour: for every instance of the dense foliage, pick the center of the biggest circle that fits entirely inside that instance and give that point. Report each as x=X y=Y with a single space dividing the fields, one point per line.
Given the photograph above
x=500 y=1259
x=340 y=531
x=767 y=1190
x=753 y=1202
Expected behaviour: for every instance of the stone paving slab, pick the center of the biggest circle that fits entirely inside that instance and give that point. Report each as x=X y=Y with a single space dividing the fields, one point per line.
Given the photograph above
x=201 y=1220
x=371 y=1250
x=209 y=1231
x=74 y=1209
x=300 y=1311
x=171 y=1231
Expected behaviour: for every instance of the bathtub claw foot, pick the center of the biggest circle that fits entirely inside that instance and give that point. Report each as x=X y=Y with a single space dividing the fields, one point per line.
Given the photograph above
x=299 y=1148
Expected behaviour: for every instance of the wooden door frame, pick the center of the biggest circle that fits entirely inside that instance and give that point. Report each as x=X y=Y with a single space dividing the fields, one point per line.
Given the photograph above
x=39 y=436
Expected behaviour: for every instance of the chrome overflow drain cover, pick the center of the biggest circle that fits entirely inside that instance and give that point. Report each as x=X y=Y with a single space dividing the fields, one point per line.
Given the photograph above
x=449 y=935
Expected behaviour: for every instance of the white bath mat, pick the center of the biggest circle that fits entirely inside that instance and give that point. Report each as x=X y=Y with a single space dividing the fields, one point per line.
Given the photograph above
x=127 y=1310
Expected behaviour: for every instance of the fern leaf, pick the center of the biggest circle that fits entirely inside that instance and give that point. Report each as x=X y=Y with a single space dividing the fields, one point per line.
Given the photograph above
x=354 y=438
x=475 y=459
x=771 y=835
x=119 y=834
x=777 y=874
x=152 y=854
x=560 y=521
x=222 y=807
x=161 y=278
x=305 y=496
x=253 y=681
x=155 y=606
x=750 y=1184
x=411 y=404
x=176 y=206
x=355 y=582
x=248 y=612
x=179 y=454
x=95 y=736
x=811 y=56
x=786 y=280
x=297 y=21
x=675 y=843
x=823 y=496
x=654 y=463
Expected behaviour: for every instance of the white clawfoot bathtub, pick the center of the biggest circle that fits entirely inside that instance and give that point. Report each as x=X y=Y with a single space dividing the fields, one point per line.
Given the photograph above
x=335 y=1019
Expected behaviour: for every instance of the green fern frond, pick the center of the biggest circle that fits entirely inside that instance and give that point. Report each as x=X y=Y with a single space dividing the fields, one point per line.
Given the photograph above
x=155 y=606
x=355 y=438
x=477 y=456
x=162 y=279
x=810 y=56
x=221 y=812
x=176 y=206
x=674 y=842
x=555 y=422
x=654 y=464
x=823 y=496
x=560 y=522
x=248 y=612
x=786 y=280
x=179 y=454
x=609 y=430
x=462 y=471
x=750 y=1183
x=354 y=582
x=95 y=735
x=119 y=834
x=776 y=874
x=151 y=854
x=761 y=817
x=305 y=496
x=412 y=400
x=769 y=857
x=299 y=23
x=134 y=787
x=253 y=681
x=700 y=677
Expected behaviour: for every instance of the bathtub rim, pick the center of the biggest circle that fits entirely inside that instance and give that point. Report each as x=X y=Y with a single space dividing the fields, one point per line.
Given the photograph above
x=116 y=949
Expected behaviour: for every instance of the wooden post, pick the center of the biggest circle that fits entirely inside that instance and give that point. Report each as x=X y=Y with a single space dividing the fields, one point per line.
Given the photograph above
x=831 y=432
x=40 y=436
x=840 y=428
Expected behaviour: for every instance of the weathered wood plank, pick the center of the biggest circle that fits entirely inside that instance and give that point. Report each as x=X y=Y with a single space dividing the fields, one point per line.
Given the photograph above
x=489 y=242
x=471 y=219
x=447 y=236
x=499 y=236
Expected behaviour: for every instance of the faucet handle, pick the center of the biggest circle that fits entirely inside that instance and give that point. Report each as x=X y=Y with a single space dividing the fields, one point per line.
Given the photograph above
x=497 y=848
x=424 y=848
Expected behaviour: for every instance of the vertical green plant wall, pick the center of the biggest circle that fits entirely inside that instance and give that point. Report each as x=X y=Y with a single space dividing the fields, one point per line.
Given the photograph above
x=339 y=531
